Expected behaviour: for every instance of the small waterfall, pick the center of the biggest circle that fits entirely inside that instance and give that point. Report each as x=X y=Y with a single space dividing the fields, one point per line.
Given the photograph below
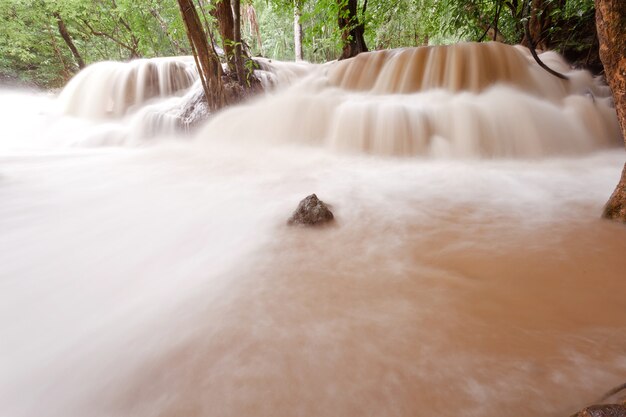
x=463 y=67
x=113 y=89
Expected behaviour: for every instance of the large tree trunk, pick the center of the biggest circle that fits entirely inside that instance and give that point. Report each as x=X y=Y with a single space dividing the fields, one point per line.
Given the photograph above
x=297 y=29
x=229 y=22
x=68 y=40
x=611 y=24
x=351 y=29
x=207 y=62
x=224 y=15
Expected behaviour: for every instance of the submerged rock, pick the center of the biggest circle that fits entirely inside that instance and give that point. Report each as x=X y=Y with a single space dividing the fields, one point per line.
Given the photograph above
x=195 y=109
x=603 y=410
x=311 y=211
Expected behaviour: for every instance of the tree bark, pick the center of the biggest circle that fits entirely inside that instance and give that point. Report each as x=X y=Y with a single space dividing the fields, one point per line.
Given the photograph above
x=67 y=72
x=239 y=55
x=68 y=40
x=297 y=30
x=539 y=24
x=611 y=24
x=224 y=15
x=351 y=29
x=207 y=62
x=254 y=26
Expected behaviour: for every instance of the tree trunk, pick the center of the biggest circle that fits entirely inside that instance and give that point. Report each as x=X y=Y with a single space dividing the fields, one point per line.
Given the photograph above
x=224 y=15
x=254 y=26
x=207 y=62
x=540 y=23
x=297 y=30
x=351 y=30
x=68 y=40
x=611 y=24
x=239 y=55
x=67 y=72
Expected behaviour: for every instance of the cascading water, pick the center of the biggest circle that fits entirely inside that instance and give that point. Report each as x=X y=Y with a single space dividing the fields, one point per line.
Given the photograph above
x=164 y=281
x=111 y=89
x=466 y=100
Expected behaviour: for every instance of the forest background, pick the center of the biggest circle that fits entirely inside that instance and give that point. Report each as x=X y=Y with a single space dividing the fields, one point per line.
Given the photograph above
x=43 y=43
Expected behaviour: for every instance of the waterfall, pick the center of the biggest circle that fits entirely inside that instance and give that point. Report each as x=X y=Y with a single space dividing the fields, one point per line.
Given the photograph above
x=465 y=100
x=148 y=270
x=476 y=100
x=112 y=89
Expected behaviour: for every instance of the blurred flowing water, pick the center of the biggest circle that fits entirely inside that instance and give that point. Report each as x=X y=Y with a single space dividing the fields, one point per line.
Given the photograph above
x=467 y=272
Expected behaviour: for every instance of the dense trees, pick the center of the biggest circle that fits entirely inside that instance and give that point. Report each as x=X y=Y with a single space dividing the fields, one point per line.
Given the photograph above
x=46 y=41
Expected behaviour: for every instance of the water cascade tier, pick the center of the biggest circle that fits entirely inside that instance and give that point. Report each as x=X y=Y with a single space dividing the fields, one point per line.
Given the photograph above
x=479 y=100
x=111 y=89
x=465 y=100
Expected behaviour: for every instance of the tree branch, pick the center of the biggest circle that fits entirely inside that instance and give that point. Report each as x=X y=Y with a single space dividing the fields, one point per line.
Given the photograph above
x=94 y=32
x=68 y=40
x=531 y=46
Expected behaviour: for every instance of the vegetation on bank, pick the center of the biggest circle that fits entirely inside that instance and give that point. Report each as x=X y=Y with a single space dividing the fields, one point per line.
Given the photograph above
x=44 y=42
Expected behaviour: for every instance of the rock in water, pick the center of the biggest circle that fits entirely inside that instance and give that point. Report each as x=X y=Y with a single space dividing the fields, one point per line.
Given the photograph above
x=604 y=410
x=311 y=211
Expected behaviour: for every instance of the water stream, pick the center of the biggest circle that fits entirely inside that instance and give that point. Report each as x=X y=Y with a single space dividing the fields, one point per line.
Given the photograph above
x=145 y=271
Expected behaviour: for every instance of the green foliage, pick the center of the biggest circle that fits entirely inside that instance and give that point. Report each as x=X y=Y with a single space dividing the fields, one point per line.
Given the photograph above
x=25 y=41
x=32 y=48
x=322 y=39
x=275 y=20
x=387 y=24
x=578 y=8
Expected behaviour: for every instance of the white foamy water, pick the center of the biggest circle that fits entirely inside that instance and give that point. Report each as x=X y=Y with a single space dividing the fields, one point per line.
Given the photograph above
x=163 y=280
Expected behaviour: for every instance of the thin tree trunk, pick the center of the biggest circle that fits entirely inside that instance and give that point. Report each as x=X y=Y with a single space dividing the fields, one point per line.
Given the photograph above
x=67 y=72
x=611 y=24
x=532 y=45
x=241 y=73
x=352 y=30
x=165 y=28
x=68 y=40
x=207 y=62
x=134 y=40
x=297 y=29
x=254 y=25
